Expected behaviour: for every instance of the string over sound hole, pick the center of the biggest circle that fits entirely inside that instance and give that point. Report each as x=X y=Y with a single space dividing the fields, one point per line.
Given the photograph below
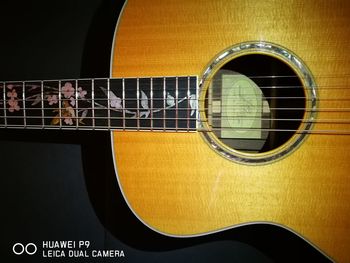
x=257 y=106
x=238 y=112
x=256 y=113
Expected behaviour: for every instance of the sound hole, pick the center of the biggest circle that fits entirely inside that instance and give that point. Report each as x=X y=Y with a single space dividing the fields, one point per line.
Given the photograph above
x=255 y=103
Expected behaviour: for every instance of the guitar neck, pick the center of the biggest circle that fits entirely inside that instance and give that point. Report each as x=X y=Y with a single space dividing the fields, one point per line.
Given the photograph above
x=167 y=103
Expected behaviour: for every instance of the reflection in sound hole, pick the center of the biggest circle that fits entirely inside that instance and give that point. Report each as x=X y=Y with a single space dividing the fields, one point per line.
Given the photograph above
x=258 y=114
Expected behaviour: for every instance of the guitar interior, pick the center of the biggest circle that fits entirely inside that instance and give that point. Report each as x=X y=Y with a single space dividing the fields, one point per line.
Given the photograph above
x=255 y=103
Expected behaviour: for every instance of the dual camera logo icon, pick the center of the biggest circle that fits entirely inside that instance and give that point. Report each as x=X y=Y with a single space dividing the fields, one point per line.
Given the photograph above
x=29 y=249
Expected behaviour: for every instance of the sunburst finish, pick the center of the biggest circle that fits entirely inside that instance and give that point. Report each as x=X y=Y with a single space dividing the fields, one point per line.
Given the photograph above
x=176 y=184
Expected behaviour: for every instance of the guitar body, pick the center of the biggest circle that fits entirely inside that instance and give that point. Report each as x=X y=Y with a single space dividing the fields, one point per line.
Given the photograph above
x=175 y=183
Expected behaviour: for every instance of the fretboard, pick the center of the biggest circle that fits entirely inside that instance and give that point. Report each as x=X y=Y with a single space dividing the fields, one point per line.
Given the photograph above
x=168 y=103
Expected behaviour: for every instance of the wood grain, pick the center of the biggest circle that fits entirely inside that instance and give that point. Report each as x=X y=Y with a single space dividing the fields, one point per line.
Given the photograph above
x=175 y=183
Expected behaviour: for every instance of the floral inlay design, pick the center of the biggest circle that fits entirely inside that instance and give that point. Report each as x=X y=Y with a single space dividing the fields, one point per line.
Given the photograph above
x=70 y=105
x=12 y=99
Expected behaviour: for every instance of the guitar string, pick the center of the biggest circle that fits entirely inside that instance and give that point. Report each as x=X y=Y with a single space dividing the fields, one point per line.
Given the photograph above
x=226 y=117
x=321 y=98
x=231 y=97
x=327 y=109
x=198 y=100
x=103 y=118
x=220 y=128
x=159 y=87
x=143 y=78
x=161 y=128
x=31 y=98
x=204 y=109
x=180 y=78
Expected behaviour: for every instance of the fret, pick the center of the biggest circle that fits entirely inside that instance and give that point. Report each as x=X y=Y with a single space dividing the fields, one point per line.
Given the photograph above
x=102 y=103
x=145 y=111
x=86 y=101
x=188 y=104
x=93 y=103
x=60 y=103
x=158 y=103
x=4 y=103
x=171 y=102
x=176 y=102
x=151 y=99
x=69 y=117
x=31 y=103
x=117 y=103
x=183 y=99
x=51 y=104
x=164 y=103
x=14 y=102
x=108 y=104
x=76 y=105
x=24 y=105
x=194 y=100
x=42 y=104
x=138 y=102
x=131 y=118
x=123 y=102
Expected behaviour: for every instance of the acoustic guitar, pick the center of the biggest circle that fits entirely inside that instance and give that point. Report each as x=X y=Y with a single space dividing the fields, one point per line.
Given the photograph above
x=222 y=114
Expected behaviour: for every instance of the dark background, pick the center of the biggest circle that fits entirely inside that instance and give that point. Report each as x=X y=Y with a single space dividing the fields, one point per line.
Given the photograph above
x=60 y=185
